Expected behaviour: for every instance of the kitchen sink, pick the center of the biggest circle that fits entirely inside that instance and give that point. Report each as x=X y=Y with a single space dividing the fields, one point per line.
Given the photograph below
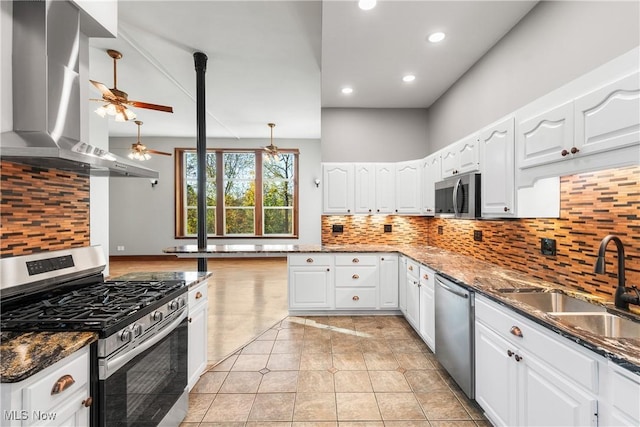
x=554 y=302
x=605 y=324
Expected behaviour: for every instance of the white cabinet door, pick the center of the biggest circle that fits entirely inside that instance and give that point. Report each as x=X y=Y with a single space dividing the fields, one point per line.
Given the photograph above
x=310 y=287
x=402 y=284
x=468 y=155
x=498 y=173
x=389 y=281
x=609 y=118
x=338 y=190
x=548 y=399
x=541 y=139
x=427 y=307
x=461 y=157
x=413 y=302
x=385 y=188
x=365 y=191
x=430 y=175
x=198 y=319
x=496 y=376
x=407 y=189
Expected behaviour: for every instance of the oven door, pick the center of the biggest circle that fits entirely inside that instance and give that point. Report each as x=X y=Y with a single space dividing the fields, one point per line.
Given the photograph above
x=149 y=389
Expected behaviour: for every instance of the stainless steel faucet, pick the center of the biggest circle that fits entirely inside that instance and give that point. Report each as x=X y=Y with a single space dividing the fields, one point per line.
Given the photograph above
x=622 y=299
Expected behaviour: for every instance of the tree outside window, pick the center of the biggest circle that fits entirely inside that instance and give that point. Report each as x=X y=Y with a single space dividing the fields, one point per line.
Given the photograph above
x=257 y=193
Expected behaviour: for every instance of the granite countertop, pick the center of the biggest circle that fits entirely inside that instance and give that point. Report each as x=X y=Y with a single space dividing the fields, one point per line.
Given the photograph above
x=483 y=277
x=23 y=354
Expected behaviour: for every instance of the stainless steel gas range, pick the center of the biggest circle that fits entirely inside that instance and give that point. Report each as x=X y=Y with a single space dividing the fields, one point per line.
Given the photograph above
x=139 y=363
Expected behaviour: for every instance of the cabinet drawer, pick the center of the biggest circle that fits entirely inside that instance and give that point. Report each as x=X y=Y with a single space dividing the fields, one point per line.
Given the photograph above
x=198 y=294
x=356 y=259
x=38 y=395
x=427 y=276
x=413 y=269
x=310 y=259
x=356 y=277
x=536 y=339
x=356 y=298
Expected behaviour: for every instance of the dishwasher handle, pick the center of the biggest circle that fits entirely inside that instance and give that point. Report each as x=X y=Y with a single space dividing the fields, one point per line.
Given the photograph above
x=453 y=291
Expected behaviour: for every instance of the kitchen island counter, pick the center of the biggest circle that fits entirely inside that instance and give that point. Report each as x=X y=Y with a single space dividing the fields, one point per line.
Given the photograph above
x=488 y=279
x=192 y=278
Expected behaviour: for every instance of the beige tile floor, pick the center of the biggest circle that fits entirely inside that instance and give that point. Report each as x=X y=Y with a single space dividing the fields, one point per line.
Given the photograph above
x=330 y=371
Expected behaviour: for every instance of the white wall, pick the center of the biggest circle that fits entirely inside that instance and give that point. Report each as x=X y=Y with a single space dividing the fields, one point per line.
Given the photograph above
x=374 y=134
x=555 y=43
x=141 y=218
x=6 y=92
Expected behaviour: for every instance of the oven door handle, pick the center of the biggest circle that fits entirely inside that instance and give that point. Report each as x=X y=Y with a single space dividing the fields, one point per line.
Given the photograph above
x=116 y=363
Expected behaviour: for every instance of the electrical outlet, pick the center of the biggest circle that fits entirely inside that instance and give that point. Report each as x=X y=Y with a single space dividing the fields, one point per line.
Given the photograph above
x=337 y=228
x=120 y=248
x=477 y=235
x=388 y=228
x=548 y=246
x=440 y=229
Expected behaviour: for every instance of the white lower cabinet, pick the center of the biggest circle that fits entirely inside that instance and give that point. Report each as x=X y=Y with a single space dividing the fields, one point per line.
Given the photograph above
x=427 y=322
x=198 y=309
x=389 y=281
x=525 y=376
x=32 y=402
x=310 y=281
x=356 y=281
x=402 y=284
x=413 y=294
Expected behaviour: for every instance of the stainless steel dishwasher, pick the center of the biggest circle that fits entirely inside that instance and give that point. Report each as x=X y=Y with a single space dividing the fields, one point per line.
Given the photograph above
x=454 y=332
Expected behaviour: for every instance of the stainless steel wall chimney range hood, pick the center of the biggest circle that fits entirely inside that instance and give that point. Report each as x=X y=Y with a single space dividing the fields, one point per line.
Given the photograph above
x=46 y=95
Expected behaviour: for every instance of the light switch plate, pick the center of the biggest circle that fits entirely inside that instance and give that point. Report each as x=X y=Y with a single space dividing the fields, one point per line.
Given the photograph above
x=548 y=246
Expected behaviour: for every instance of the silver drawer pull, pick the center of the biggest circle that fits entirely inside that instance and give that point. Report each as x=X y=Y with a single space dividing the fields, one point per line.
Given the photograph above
x=516 y=331
x=309 y=260
x=63 y=383
x=355 y=276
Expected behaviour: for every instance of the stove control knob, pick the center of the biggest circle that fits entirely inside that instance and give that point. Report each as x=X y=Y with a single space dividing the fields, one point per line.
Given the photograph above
x=125 y=336
x=137 y=330
x=156 y=316
x=174 y=305
x=183 y=302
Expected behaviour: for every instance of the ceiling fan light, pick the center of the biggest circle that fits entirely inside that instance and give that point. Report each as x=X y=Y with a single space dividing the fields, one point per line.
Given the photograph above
x=111 y=110
x=120 y=117
x=132 y=155
x=101 y=111
x=130 y=115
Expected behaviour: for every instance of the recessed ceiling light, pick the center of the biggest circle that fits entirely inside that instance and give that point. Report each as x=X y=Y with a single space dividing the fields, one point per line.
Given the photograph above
x=367 y=4
x=436 y=37
x=408 y=78
x=347 y=90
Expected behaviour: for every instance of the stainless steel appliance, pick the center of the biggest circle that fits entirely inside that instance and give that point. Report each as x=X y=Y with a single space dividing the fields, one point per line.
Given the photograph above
x=139 y=363
x=454 y=332
x=459 y=197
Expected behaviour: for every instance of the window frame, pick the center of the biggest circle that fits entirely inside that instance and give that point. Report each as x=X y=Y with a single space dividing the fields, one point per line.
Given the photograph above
x=180 y=195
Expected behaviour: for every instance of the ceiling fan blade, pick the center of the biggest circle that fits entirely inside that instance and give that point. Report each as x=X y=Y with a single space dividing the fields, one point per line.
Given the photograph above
x=106 y=92
x=158 y=152
x=148 y=106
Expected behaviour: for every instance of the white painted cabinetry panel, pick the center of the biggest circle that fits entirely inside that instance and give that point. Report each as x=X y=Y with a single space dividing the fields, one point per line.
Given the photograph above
x=338 y=188
x=498 y=170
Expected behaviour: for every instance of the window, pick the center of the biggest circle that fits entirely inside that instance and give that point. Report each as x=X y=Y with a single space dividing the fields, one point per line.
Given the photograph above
x=249 y=193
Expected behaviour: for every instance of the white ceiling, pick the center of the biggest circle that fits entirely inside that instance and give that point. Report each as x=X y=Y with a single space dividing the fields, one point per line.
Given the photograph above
x=280 y=61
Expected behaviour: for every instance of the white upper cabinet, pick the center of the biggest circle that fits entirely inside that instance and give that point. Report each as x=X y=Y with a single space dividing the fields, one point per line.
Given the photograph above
x=497 y=160
x=430 y=174
x=365 y=192
x=544 y=137
x=609 y=117
x=385 y=188
x=461 y=157
x=337 y=194
x=408 y=187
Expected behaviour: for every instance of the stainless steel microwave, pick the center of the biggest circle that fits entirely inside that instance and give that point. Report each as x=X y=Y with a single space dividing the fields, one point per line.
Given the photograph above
x=459 y=197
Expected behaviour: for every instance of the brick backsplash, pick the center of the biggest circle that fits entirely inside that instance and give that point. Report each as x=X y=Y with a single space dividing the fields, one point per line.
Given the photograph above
x=42 y=209
x=592 y=205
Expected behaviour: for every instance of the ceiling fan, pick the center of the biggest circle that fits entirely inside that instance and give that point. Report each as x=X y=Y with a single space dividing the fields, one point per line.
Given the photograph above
x=139 y=151
x=118 y=100
x=272 y=150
